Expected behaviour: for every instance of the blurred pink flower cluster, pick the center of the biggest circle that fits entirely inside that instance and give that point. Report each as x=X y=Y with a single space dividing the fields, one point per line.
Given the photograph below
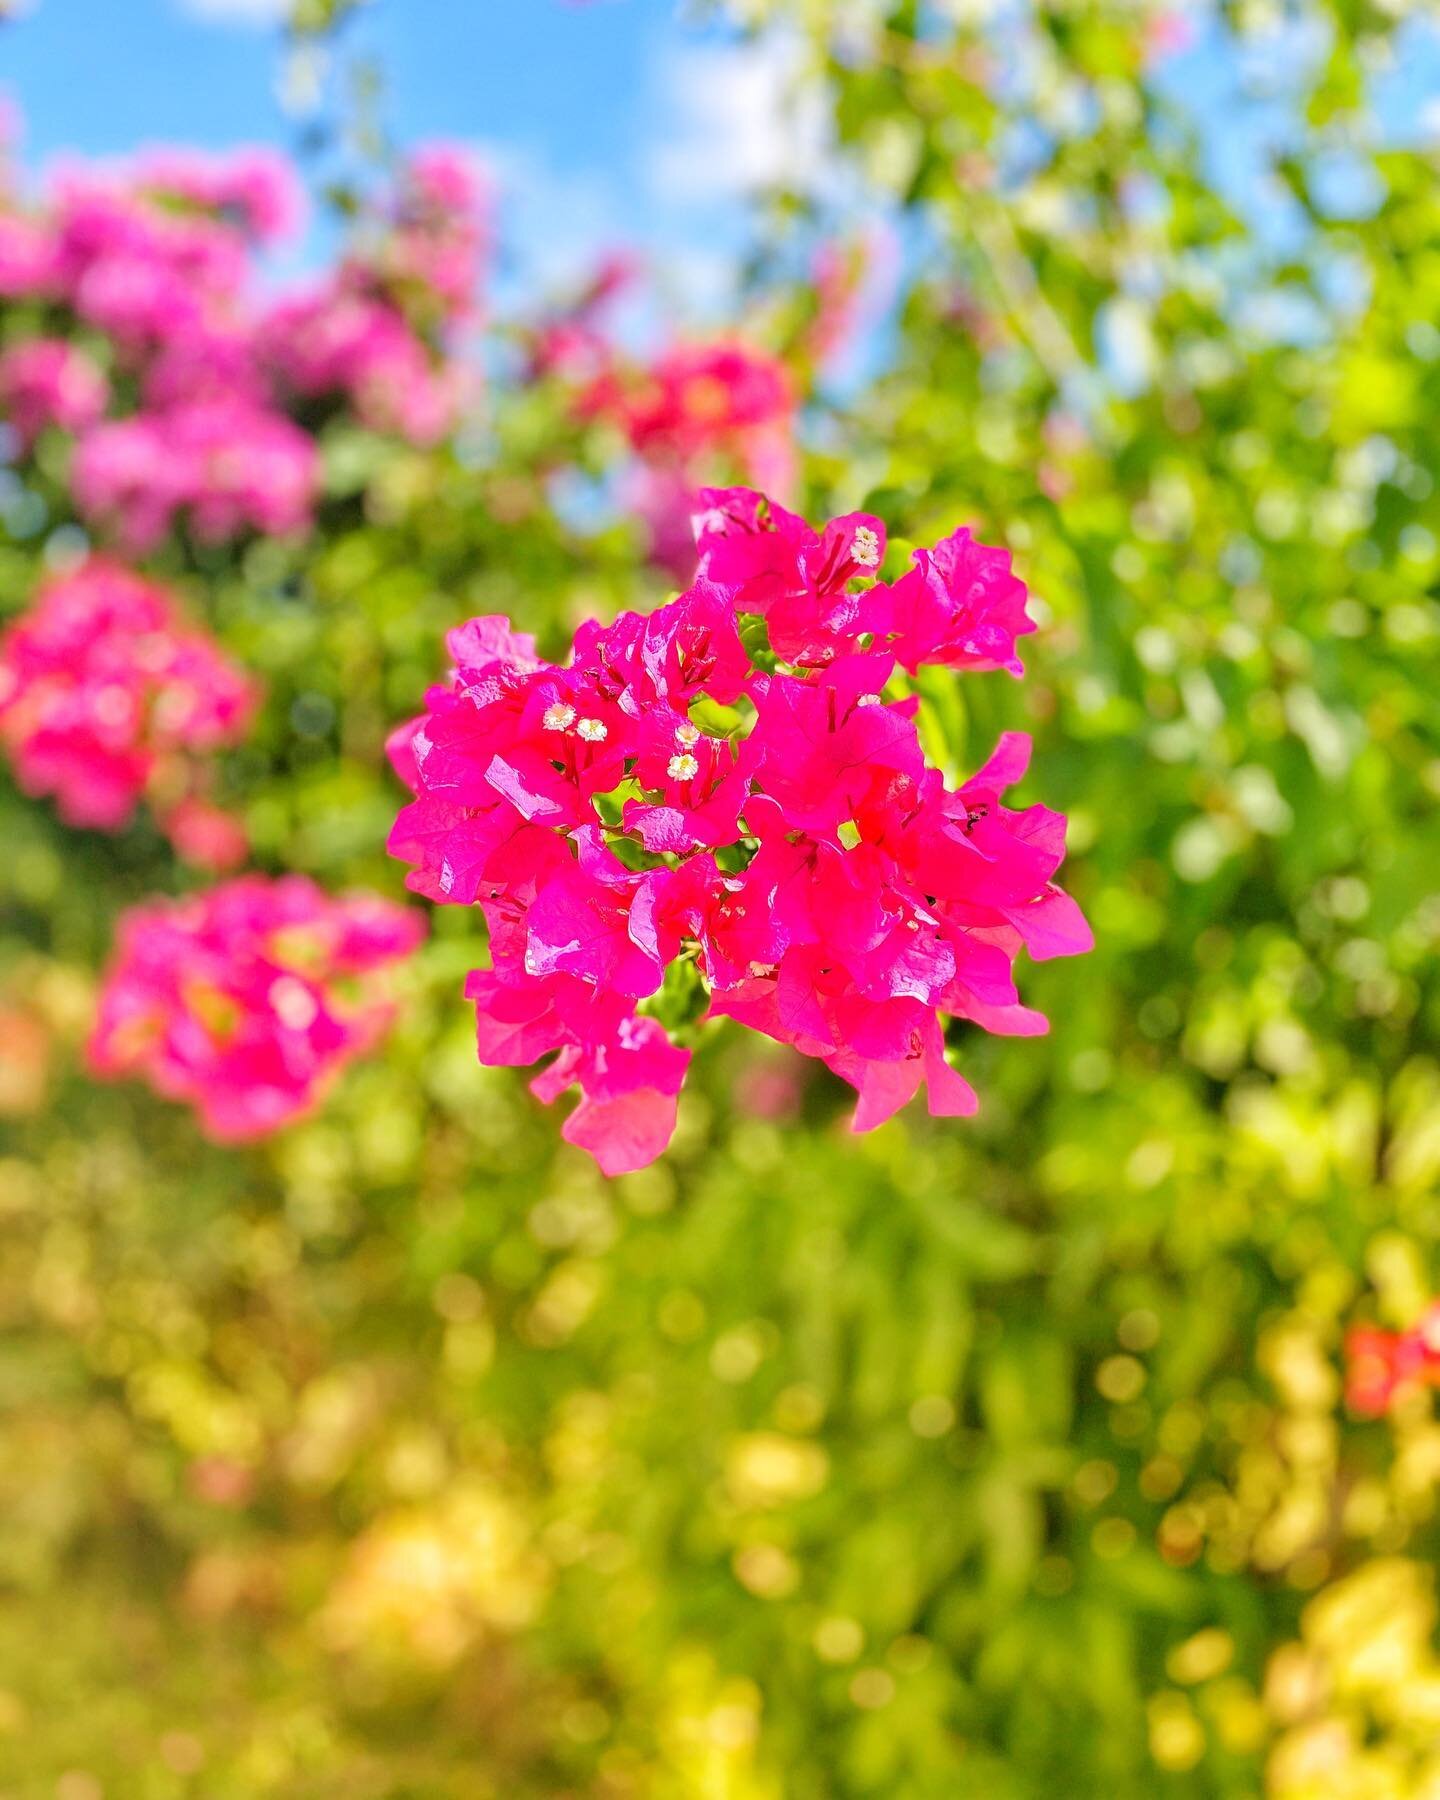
x=368 y=331
x=136 y=322
x=106 y=696
x=695 y=411
x=685 y=818
x=47 y=381
x=192 y=394
x=1382 y=1365
x=246 y=1001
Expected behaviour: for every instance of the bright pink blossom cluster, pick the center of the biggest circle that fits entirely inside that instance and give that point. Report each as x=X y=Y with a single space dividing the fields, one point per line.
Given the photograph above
x=679 y=820
x=247 y=1000
x=142 y=282
x=105 y=696
x=1381 y=1364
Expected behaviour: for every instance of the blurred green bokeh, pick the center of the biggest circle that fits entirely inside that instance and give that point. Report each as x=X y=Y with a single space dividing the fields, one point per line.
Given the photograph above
x=406 y=1457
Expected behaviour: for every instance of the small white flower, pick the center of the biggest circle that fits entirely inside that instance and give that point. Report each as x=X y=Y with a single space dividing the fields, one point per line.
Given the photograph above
x=865 y=547
x=687 y=734
x=593 y=731
x=559 y=717
x=682 y=767
x=868 y=700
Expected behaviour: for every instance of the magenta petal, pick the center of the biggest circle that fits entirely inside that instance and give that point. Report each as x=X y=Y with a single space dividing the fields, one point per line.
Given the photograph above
x=1053 y=926
x=516 y=1023
x=533 y=788
x=884 y=1087
x=629 y=1092
x=1005 y=765
x=480 y=642
x=948 y=1094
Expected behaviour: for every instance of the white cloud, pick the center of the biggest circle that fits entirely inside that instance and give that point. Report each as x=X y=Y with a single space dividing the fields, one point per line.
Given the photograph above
x=736 y=119
x=255 y=13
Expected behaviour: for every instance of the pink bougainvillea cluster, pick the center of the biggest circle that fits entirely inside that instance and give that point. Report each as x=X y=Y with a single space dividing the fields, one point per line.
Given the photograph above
x=723 y=809
x=247 y=1000
x=192 y=394
x=1381 y=1365
x=719 y=810
x=186 y=399
x=106 y=697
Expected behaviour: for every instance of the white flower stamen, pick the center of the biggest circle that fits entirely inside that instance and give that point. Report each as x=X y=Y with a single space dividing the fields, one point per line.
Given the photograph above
x=865 y=547
x=687 y=734
x=559 y=717
x=682 y=767
x=593 y=731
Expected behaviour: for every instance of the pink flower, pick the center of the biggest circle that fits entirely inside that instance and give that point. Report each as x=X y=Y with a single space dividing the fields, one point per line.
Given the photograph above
x=959 y=607
x=225 y=464
x=206 y=836
x=697 y=411
x=799 y=580
x=104 y=693
x=252 y=188
x=334 y=342
x=136 y=269
x=28 y=258
x=697 y=398
x=246 y=1001
x=158 y=255
x=628 y=1072
x=670 y=824
x=439 y=234
x=1167 y=34
x=1381 y=1366
x=44 y=382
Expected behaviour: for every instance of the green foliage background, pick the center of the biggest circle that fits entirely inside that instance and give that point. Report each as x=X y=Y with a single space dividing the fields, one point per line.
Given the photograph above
x=405 y=1456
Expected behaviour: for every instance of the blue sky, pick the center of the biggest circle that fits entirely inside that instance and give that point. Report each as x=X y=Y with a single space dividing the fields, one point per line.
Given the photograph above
x=612 y=120
x=607 y=121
